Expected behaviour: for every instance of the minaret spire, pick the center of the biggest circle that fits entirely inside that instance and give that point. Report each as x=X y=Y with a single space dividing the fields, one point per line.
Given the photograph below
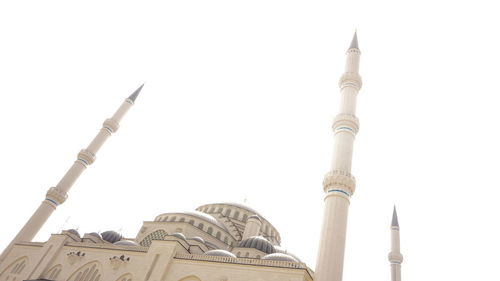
x=134 y=95
x=394 y=218
x=339 y=184
x=58 y=194
x=354 y=42
x=395 y=256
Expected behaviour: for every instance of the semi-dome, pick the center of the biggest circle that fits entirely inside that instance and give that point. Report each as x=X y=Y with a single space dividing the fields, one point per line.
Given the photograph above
x=199 y=239
x=279 y=257
x=95 y=234
x=220 y=253
x=111 y=236
x=258 y=242
x=73 y=231
x=179 y=235
x=126 y=243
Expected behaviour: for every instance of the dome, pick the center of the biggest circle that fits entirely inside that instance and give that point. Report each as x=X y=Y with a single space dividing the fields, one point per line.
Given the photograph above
x=179 y=235
x=279 y=257
x=95 y=234
x=73 y=231
x=220 y=253
x=199 y=239
x=126 y=243
x=200 y=215
x=111 y=236
x=258 y=242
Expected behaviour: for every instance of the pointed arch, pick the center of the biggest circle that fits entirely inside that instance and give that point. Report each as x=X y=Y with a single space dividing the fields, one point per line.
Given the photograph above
x=53 y=272
x=155 y=235
x=91 y=271
x=190 y=278
x=125 y=277
x=15 y=268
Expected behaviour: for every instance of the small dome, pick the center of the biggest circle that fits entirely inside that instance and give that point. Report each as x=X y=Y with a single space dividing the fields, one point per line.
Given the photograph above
x=126 y=243
x=199 y=239
x=220 y=253
x=258 y=242
x=179 y=235
x=111 y=236
x=279 y=257
x=96 y=235
x=73 y=231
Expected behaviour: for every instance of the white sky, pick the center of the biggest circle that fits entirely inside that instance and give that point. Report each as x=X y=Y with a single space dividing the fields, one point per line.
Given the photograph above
x=238 y=103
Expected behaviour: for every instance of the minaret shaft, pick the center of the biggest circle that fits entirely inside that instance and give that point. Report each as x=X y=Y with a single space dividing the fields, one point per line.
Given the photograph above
x=58 y=194
x=339 y=184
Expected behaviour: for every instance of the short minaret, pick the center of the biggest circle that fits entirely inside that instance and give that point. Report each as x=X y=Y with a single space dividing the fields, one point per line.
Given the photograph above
x=252 y=228
x=339 y=184
x=58 y=194
x=395 y=256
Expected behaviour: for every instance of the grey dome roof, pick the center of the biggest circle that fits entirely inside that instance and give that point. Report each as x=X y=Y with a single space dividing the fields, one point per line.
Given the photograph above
x=258 y=242
x=73 y=231
x=95 y=234
x=199 y=239
x=220 y=253
x=179 y=235
x=279 y=257
x=111 y=236
x=126 y=243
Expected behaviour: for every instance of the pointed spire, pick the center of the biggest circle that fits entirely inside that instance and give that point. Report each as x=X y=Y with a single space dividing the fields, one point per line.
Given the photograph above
x=354 y=42
x=395 y=218
x=134 y=95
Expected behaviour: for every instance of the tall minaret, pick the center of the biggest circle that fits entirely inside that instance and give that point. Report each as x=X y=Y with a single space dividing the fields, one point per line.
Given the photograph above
x=58 y=194
x=395 y=256
x=339 y=184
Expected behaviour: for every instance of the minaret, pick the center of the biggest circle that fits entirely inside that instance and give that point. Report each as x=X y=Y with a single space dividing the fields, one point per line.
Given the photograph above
x=339 y=184
x=395 y=256
x=58 y=194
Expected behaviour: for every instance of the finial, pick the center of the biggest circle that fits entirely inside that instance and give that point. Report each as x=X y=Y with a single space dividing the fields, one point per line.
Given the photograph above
x=354 y=42
x=394 y=218
x=134 y=95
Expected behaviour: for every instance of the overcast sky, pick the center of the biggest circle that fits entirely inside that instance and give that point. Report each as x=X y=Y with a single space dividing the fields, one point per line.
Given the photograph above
x=238 y=104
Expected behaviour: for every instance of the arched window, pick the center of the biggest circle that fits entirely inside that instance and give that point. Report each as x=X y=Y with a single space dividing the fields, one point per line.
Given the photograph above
x=245 y=217
x=173 y=218
x=165 y=218
x=191 y=222
x=210 y=230
x=200 y=225
x=217 y=235
x=88 y=272
x=53 y=272
x=228 y=212
x=236 y=215
x=182 y=220
x=14 y=269
x=219 y=210
x=211 y=210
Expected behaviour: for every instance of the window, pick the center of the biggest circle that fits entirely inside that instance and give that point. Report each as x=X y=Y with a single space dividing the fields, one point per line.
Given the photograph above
x=182 y=220
x=219 y=210
x=228 y=212
x=165 y=219
x=245 y=217
x=200 y=225
x=211 y=210
x=236 y=215
x=210 y=230
x=191 y=222
x=173 y=218
x=217 y=235
x=225 y=239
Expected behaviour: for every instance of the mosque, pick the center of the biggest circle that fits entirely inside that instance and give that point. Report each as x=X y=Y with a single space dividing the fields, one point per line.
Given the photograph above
x=214 y=242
